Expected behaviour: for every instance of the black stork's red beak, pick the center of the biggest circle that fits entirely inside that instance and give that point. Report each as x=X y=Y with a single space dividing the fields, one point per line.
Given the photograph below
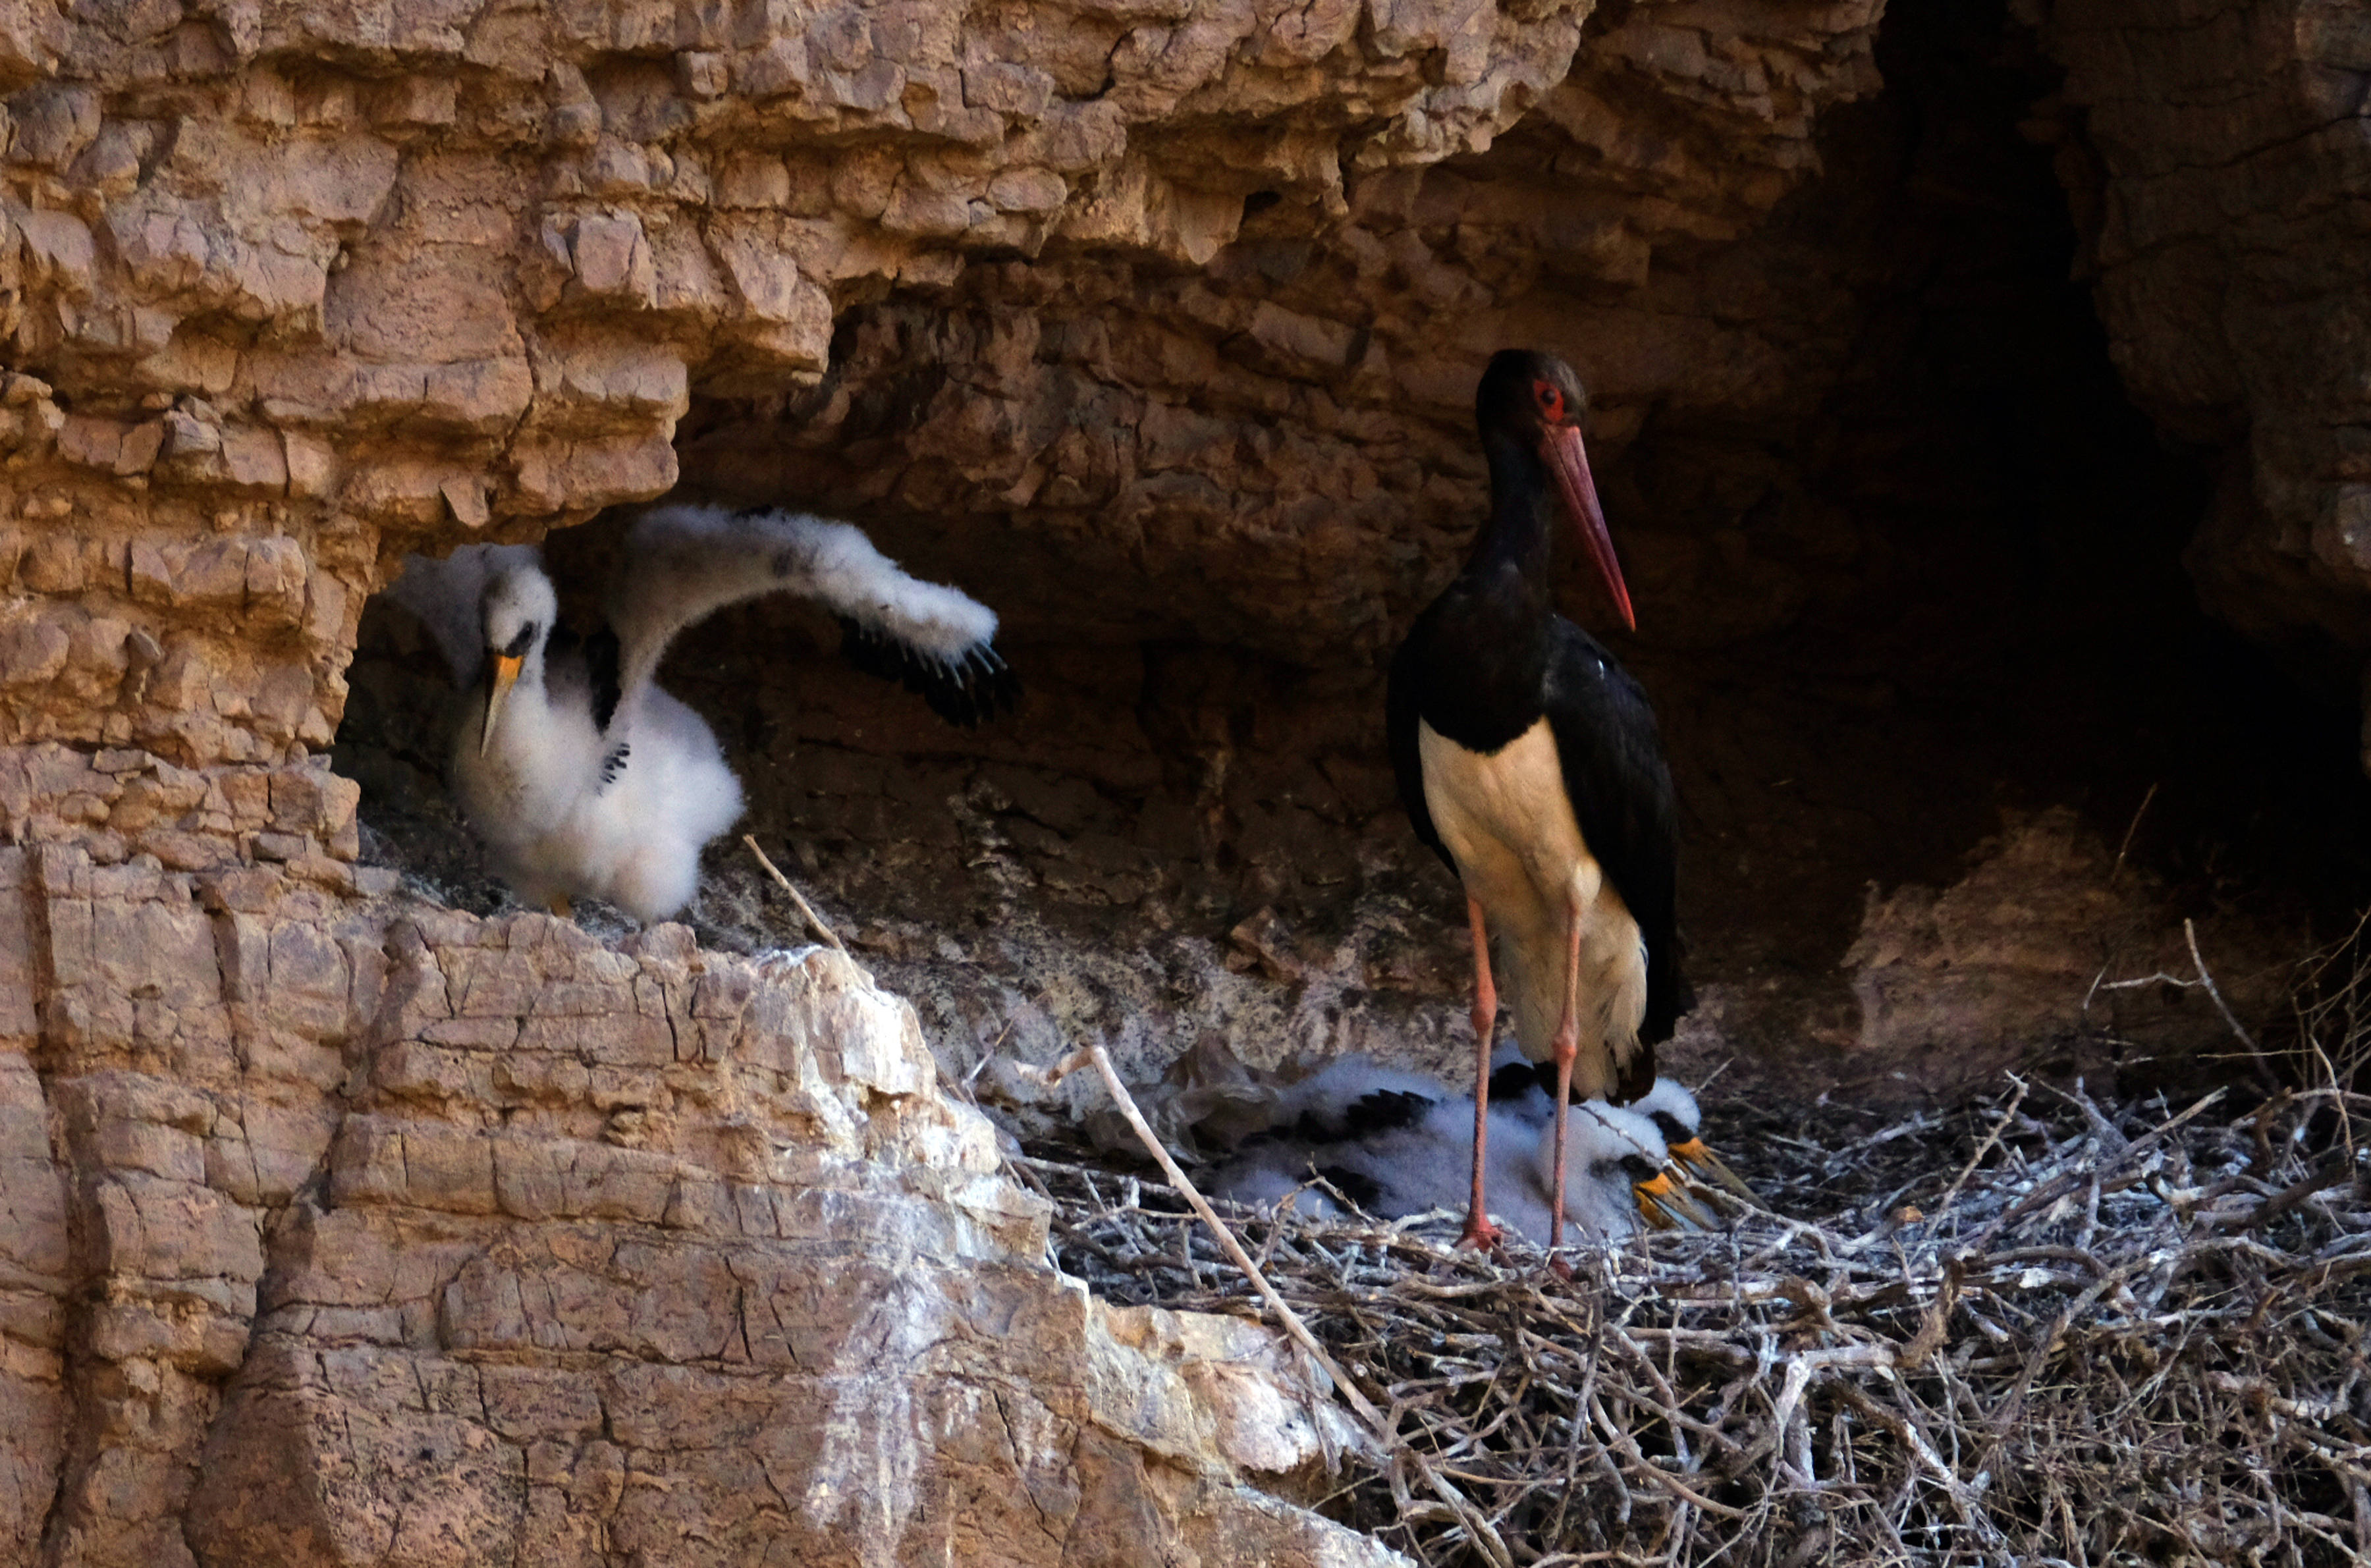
x=1567 y=459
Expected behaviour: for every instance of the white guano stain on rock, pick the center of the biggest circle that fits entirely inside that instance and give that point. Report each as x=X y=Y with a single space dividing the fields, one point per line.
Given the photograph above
x=873 y=1443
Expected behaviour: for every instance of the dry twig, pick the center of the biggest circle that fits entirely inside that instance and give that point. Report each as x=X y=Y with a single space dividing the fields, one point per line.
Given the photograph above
x=2190 y=930
x=804 y=907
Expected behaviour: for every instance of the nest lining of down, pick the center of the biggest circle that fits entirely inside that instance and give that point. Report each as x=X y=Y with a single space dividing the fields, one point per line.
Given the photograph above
x=2044 y=1330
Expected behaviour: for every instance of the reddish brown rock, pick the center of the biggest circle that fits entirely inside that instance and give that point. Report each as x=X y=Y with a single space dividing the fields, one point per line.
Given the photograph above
x=2218 y=156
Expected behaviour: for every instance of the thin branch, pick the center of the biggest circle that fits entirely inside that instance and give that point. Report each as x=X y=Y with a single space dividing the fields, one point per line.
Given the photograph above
x=1983 y=1148
x=804 y=907
x=2130 y=829
x=2337 y=1167
x=2190 y=931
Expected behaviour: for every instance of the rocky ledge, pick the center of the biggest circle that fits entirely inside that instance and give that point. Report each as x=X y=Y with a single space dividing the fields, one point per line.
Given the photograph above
x=373 y=1233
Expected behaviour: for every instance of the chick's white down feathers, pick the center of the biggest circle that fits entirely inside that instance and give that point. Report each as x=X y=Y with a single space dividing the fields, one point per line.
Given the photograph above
x=1400 y=1143
x=582 y=775
x=566 y=807
x=690 y=560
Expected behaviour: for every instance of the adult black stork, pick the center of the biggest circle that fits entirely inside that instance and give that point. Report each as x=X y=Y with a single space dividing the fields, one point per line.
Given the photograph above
x=1529 y=759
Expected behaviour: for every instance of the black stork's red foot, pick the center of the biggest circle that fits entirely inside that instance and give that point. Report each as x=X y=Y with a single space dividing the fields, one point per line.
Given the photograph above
x=1480 y=1235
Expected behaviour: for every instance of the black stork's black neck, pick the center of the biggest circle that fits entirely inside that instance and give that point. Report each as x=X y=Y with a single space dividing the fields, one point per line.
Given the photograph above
x=1513 y=545
x=1480 y=656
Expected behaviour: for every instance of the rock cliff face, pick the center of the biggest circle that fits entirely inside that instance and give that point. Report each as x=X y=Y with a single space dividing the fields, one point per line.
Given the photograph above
x=344 y=1235
x=2219 y=155
x=340 y=1227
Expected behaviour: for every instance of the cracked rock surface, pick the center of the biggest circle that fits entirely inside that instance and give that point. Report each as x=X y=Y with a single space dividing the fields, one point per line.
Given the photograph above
x=2219 y=155
x=384 y=1234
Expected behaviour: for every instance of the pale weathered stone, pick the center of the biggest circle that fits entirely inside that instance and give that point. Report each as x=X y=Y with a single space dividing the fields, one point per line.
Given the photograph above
x=843 y=1295
x=723 y=1245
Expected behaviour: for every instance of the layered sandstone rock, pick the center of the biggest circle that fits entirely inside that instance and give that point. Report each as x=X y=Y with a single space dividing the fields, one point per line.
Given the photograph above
x=347 y=1232
x=436 y=276
x=1957 y=985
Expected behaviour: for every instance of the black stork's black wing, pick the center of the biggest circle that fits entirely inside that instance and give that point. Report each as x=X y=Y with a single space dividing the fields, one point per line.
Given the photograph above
x=1402 y=701
x=1621 y=791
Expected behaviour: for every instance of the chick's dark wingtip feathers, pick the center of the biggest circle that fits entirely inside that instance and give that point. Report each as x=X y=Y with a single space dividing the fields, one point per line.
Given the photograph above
x=1357 y=1186
x=1385 y=1110
x=965 y=692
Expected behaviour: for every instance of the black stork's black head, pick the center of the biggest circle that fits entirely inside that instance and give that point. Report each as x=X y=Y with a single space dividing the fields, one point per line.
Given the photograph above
x=1535 y=402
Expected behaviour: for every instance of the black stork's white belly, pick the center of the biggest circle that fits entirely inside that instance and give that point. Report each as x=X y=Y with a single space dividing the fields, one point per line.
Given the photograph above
x=1509 y=825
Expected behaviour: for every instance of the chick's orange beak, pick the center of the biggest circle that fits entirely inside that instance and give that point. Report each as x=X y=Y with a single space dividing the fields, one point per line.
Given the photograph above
x=1705 y=1165
x=1664 y=1206
x=506 y=674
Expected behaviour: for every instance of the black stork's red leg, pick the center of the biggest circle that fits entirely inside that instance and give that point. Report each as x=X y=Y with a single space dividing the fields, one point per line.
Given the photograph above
x=1566 y=1049
x=1479 y=1232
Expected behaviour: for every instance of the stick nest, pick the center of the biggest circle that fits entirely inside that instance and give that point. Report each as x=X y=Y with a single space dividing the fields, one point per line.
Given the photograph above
x=2122 y=1336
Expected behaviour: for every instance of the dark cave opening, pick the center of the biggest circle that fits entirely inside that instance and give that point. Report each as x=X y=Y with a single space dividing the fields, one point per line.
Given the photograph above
x=1983 y=542
x=1944 y=596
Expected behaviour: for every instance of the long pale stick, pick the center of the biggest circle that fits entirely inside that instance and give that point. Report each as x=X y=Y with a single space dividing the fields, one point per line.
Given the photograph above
x=1485 y=1535
x=804 y=907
